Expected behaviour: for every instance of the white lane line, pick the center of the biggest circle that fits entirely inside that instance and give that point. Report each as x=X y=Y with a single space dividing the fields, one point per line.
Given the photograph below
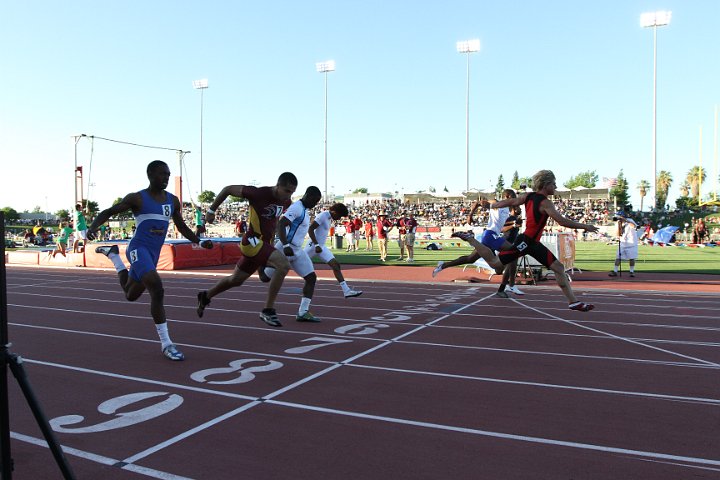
x=558 y=354
x=335 y=365
x=188 y=433
x=583 y=335
x=679 y=464
x=429 y=344
x=101 y=459
x=623 y=339
x=293 y=385
x=509 y=436
x=201 y=347
x=604 y=391
x=140 y=380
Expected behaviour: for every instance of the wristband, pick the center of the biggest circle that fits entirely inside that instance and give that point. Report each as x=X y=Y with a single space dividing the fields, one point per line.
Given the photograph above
x=286 y=245
x=211 y=211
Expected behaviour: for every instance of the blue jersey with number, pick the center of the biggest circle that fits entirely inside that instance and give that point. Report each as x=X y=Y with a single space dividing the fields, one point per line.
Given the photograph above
x=151 y=222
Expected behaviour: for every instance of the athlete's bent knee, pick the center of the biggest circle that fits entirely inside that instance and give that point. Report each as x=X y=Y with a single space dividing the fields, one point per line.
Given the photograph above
x=157 y=294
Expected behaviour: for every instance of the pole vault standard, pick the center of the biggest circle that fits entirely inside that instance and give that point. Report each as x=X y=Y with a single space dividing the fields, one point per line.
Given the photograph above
x=8 y=359
x=78 y=170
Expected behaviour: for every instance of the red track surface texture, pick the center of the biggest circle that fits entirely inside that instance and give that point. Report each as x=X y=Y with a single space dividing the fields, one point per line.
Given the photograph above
x=418 y=378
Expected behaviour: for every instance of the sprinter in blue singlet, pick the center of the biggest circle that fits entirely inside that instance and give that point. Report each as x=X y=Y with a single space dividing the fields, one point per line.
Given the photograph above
x=153 y=208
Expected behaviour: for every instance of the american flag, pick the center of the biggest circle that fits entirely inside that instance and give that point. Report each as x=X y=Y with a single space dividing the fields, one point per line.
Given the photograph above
x=609 y=182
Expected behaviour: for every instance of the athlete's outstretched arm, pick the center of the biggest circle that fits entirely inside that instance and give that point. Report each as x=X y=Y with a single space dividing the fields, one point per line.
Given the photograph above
x=132 y=201
x=235 y=190
x=547 y=207
x=181 y=225
x=510 y=202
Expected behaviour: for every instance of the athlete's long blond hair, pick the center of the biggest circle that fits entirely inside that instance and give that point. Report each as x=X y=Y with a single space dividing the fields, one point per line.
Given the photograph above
x=542 y=178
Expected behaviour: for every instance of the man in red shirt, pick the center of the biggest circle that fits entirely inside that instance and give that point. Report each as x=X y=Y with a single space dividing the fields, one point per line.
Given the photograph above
x=267 y=204
x=410 y=227
x=357 y=228
x=383 y=227
x=350 y=234
x=369 y=234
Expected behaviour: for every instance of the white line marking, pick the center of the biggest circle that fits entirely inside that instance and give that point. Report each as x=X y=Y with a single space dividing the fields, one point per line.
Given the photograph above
x=647 y=395
x=188 y=433
x=618 y=337
x=101 y=459
x=271 y=395
x=509 y=436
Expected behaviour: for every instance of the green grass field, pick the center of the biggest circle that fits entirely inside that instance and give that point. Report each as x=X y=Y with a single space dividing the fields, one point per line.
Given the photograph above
x=589 y=256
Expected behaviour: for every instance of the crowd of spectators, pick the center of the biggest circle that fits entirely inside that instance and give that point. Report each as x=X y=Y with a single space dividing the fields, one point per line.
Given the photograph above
x=427 y=214
x=452 y=214
x=594 y=211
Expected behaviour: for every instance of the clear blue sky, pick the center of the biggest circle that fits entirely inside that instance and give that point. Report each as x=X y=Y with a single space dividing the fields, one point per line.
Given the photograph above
x=564 y=85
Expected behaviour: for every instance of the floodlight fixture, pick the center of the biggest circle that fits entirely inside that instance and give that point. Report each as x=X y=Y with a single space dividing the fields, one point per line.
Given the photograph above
x=468 y=46
x=199 y=84
x=326 y=66
x=655 y=19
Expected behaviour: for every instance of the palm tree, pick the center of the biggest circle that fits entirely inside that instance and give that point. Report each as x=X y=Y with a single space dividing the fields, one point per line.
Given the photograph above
x=643 y=186
x=695 y=177
x=664 y=180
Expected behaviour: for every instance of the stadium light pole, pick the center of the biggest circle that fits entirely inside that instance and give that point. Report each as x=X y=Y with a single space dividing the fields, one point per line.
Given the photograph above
x=467 y=47
x=325 y=68
x=654 y=20
x=201 y=85
x=76 y=139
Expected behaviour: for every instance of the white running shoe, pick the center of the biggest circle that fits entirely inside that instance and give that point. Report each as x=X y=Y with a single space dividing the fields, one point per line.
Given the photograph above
x=353 y=293
x=438 y=269
x=173 y=353
x=514 y=289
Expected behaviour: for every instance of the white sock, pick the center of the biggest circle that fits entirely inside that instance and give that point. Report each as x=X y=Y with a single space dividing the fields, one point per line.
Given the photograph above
x=344 y=287
x=615 y=268
x=163 y=333
x=117 y=261
x=304 y=306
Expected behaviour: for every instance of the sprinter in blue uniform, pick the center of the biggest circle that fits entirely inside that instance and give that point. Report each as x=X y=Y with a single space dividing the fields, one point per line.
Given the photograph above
x=153 y=209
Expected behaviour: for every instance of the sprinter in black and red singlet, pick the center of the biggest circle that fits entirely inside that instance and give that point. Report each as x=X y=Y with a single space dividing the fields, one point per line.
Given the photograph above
x=537 y=211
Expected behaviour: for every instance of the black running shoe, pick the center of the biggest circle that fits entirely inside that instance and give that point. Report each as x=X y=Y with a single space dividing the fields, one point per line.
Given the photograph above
x=203 y=301
x=581 y=307
x=269 y=316
x=107 y=249
x=463 y=235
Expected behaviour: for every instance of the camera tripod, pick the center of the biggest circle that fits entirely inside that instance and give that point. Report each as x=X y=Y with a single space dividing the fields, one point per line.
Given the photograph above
x=8 y=359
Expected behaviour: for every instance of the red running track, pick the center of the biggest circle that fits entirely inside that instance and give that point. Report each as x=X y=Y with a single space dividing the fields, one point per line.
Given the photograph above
x=411 y=380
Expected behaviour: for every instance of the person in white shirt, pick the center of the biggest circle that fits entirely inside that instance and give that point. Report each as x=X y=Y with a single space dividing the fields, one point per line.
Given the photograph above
x=493 y=238
x=317 y=247
x=291 y=230
x=628 y=246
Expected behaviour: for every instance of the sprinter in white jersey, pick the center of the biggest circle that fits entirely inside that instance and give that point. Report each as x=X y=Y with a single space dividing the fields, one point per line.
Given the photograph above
x=492 y=238
x=316 y=247
x=291 y=230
